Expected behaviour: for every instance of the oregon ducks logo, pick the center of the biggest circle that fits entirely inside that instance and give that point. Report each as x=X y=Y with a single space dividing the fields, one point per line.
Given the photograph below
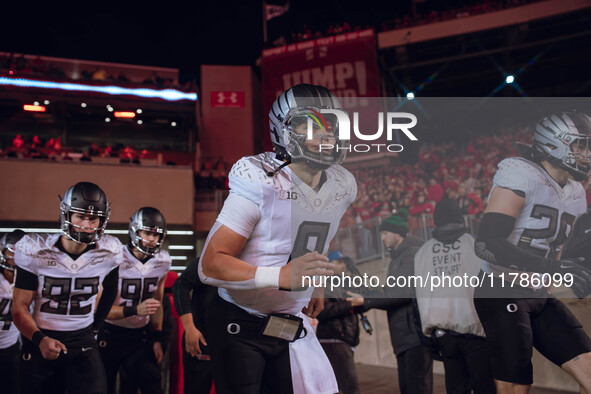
x=233 y=328
x=512 y=308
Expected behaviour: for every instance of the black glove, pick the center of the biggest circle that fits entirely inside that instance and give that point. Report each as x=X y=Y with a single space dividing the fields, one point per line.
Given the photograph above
x=581 y=275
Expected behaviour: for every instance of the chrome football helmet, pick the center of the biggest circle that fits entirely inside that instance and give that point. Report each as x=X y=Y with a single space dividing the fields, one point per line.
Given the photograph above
x=147 y=219
x=563 y=140
x=87 y=199
x=7 y=243
x=302 y=104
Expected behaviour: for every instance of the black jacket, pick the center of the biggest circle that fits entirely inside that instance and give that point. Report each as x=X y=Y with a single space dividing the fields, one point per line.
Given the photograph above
x=398 y=301
x=338 y=320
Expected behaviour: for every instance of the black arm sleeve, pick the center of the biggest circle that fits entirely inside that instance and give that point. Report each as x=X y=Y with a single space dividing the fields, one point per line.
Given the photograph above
x=493 y=246
x=181 y=290
x=26 y=280
x=110 y=284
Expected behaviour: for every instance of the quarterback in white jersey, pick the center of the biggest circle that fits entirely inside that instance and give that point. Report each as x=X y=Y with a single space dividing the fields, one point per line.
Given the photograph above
x=9 y=344
x=532 y=208
x=282 y=212
x=62 y=274
x=126 y=340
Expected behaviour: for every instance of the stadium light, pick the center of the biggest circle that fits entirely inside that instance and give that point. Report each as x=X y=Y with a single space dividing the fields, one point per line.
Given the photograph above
x=410 y=95
x=165 y=94
x=510 y=79
x=34 y=108
x=124 y=114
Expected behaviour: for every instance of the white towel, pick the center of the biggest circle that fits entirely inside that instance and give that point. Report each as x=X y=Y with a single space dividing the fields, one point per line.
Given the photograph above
x=311 y=372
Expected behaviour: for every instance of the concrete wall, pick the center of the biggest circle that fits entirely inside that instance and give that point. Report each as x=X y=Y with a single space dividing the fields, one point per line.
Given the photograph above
x=30 y=189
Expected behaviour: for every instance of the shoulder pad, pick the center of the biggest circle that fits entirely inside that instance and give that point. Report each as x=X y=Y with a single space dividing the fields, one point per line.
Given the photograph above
x=519 y=174
x=248 y=176
x=32 y=243
x=110 y=243
x=164 y=256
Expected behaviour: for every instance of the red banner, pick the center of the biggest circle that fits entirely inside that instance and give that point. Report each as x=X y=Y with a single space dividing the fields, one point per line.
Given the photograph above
x=346 y=64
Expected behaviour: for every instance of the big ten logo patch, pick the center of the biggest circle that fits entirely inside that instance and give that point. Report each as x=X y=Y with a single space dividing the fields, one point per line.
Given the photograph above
x=287 y=195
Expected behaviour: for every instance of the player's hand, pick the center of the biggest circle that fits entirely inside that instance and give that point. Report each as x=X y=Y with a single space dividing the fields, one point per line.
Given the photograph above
x=50 y=348
x=355 y=299
x=158 y=353
x=309 y=265
x=148 y=307
x=315 y=306
x=581 y=275
x=192 y=338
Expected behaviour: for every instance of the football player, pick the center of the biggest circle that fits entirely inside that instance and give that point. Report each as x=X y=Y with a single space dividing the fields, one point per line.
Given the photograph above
x=125 y=339
x=282 y=212
x=61 y=275
x=9 y=344
x=533 y=204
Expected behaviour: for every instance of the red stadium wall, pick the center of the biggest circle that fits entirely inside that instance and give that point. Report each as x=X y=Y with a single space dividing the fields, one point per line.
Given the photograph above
x=30 y=189
x=229 y=102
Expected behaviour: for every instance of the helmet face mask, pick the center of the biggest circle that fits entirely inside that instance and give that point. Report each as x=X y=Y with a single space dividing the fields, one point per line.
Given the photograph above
x=298 y=110
x=87 y=201
x=150 y=220
x=563 y=140
x=324 y=148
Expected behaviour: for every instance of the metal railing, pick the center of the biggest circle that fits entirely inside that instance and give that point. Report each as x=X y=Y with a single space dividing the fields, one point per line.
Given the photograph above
x=362 y=241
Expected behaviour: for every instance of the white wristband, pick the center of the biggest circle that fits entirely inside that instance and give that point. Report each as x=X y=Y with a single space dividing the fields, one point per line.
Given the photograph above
x=267 y=277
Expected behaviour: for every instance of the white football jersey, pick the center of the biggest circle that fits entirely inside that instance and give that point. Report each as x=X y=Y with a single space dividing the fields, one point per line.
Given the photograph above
x=137 y=282
x=549 y=212
x=8 y=331
x=67 y=289
x=293 y=220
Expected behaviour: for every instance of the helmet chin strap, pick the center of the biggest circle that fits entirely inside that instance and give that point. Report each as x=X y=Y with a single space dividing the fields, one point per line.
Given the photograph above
x=271 y=174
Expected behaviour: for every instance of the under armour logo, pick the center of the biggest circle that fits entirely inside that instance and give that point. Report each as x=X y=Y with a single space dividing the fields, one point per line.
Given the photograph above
x=232 y=97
